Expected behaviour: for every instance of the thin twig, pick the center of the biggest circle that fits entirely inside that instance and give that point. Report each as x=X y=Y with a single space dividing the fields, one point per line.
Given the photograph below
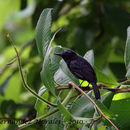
x=12 y=59
x=37 y=119
x=116 y=90
x=64 y=87
x=94 y=120
x=100 y=86
x=100 y=111
x=24 y=82
x=65 y=102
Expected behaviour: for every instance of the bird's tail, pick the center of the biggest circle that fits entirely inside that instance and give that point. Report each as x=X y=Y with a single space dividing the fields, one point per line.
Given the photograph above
x=96 y=90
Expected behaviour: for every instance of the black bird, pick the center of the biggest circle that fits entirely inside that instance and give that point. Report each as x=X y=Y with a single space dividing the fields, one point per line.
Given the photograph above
x=80 y=68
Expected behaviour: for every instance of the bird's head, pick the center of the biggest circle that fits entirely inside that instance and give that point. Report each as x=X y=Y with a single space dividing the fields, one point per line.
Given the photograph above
x=67 y=54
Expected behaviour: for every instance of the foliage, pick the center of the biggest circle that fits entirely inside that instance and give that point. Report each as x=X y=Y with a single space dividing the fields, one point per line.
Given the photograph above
x=96 y=30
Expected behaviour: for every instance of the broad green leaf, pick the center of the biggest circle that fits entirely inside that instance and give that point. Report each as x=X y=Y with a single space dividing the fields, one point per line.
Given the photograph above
x=47 y=73
x=121 y=108
x=43 y=32
x=66 y=113
x=107 y=99
x=55 y=60
x=128 y=71
x=55 y=122
x=101 y=77
x=127 y=53
x=40 y=106
x=82 y=108
x=89 y=56
x=70 y=119
x=104 y=109
x=61 y=78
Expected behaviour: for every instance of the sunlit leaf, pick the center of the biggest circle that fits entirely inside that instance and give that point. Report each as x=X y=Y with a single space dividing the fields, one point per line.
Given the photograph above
x=101 y=77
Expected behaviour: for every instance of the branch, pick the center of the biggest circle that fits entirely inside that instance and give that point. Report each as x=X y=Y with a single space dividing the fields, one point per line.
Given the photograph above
x=65 y=101
x=95 y=120
x=24 y=82
x=100 y=111
x=116 y=90
x=100 y=86
x=26 y=124
x=13 y=59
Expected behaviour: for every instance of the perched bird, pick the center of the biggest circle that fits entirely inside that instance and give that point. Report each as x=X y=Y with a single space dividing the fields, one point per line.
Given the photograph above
x=80 y=68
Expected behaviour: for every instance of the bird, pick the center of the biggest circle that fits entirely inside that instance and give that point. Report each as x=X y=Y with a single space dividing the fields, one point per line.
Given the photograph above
x=80 y=68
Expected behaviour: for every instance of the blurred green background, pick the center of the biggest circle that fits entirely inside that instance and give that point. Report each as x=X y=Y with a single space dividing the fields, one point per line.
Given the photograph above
x=100 y=25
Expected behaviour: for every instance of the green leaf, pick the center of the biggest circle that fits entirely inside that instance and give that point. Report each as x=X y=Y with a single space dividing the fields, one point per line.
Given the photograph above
x=70 y=118
x=61 y=78
x=101 y=77
x=47 y=73
x=127 y=53
x=40 y=106
x=128 y=71
x=121 y=108
x=107 y=99
x=66 y=113
x=82 y=108
x=55 y=60
x=43 y=32
x=89 y=56
x=55 y=122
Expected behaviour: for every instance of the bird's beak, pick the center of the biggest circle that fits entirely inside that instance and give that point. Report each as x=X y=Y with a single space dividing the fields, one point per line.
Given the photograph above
x=59 y=54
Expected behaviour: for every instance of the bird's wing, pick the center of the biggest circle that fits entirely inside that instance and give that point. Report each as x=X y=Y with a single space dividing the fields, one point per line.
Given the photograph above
x=83 y=70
